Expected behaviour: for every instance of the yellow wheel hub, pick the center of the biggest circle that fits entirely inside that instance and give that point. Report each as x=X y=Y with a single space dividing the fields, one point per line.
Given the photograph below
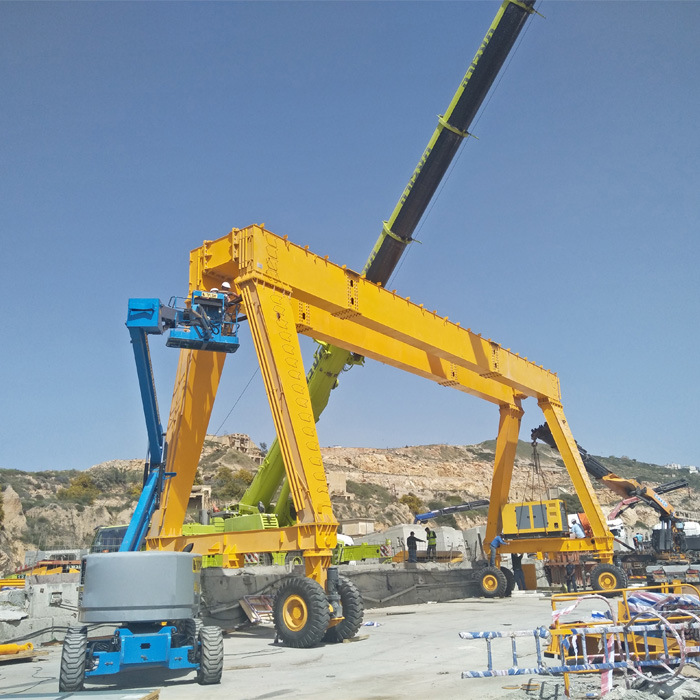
x=607 y=581
x=490 y=583
x=295 y=613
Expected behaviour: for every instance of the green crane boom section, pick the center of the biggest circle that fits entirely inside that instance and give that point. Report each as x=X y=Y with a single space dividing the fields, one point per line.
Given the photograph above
x=452 y=128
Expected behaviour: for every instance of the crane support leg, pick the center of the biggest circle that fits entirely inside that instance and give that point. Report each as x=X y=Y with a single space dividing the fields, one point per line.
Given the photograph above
x=506 y=445
x=272 y=325
x=554 y=415
x=196 y=384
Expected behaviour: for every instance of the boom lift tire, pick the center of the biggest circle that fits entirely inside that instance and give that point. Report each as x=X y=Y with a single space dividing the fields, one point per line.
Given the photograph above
x=510 y=581
x=607 y=577
x=301 y=612
x=353 y=612
x=73 y=660
x=211 y=655
x=493 y=582
x=190 y=628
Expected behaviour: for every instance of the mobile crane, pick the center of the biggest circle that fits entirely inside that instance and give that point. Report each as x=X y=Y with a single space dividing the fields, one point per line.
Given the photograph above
x=329 y=360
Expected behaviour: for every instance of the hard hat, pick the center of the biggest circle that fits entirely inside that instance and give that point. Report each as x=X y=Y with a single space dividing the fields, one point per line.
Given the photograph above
x=226 y=286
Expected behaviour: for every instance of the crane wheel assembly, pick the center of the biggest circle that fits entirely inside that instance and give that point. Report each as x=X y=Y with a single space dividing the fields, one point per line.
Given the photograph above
x=301 y=612
x=608 y=577
x=353 y=612
x=73 y=660
x=211 y=655
x=493 y=582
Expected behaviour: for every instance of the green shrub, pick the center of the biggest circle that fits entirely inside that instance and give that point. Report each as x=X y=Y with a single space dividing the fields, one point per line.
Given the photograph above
x=82 y=490
x=572 y=503
x=412 y=502
x=228 y=485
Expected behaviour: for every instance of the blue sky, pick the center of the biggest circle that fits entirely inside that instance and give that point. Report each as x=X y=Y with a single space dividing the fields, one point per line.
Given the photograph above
x=568 y=231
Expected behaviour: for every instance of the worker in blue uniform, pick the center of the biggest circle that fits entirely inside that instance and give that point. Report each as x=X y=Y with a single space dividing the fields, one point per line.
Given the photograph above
x=496 y=542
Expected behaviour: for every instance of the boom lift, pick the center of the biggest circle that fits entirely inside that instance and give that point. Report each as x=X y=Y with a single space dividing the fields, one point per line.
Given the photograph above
x=154 y=599
x=453 y=125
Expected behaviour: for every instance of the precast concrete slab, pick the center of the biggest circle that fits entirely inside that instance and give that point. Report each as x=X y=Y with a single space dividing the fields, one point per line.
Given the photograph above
x=379 y=585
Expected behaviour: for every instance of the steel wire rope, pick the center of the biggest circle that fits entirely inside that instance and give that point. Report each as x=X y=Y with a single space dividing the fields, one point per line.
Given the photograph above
x=240 y=396
x=453 y=165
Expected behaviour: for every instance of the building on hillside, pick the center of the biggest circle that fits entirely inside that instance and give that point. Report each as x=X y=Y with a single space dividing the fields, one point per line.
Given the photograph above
x=337 y=483
x=242 y=443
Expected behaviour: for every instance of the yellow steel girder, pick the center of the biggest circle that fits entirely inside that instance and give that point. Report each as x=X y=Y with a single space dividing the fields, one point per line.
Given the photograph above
x=348 y=296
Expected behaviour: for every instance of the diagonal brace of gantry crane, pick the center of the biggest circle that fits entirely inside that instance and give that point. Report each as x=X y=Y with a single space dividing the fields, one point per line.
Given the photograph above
x=287 y=291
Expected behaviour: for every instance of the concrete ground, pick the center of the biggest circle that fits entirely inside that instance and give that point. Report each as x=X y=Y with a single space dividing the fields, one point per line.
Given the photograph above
x=411 y=651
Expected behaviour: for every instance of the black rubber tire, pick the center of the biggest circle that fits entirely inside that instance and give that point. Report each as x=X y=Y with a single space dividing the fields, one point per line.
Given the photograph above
x=189 y=629
x=266 y=559
x=211 y=655
x=607 y=577
x=353 y=613
x=301 y=612
x=492 y=582
x=73 y=660
x=510 y=581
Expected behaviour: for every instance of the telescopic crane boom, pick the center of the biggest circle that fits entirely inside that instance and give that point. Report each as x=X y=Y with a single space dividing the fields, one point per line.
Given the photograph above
x=624 y=487
x=453 y=125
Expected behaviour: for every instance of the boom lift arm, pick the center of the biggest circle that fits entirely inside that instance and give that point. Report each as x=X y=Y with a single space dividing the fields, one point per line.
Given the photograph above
x=207 y=322
x=330 y=360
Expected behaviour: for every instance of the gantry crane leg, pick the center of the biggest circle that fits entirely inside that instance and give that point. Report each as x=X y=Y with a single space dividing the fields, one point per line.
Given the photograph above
x=506 y=445
x=554 y=415
x=273 y=329
x=196 y=383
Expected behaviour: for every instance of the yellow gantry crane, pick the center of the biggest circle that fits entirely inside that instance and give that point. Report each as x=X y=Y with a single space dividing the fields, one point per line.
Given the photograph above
x=289 y=291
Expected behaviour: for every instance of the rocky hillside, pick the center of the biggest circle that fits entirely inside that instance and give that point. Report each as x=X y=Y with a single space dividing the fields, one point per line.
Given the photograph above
x=57 y=509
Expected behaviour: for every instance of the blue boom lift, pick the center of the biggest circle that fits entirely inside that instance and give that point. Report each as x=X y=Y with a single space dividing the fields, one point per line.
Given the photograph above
x=153 y=596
